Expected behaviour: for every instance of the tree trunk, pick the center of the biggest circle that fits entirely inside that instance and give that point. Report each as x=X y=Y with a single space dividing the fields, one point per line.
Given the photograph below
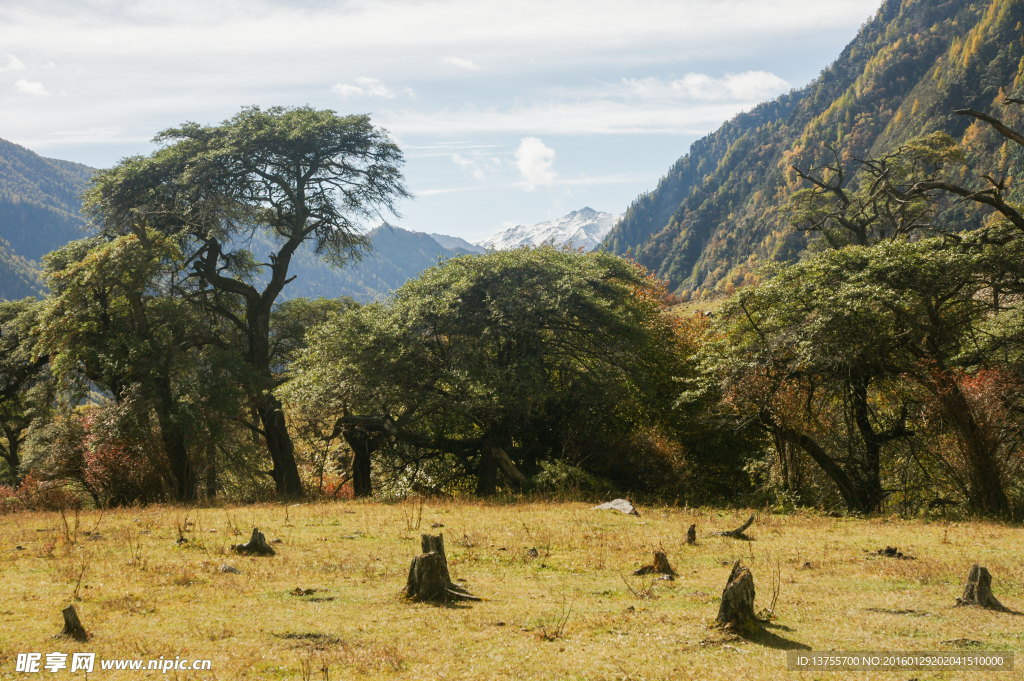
x=487 y=472
x=10 y=453
x=363 y=443
x=737 y=608
x=280 y=447
x=978 y=590
x=869 y=479
x=72 y=625
x=185 y=479
x=211 y=468
x=985 y=485
x=428 y=575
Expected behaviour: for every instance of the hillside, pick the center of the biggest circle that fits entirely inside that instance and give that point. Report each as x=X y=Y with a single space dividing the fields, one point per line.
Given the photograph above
x=397 y=255
x=39 y=200
x=718 y=212
x=39 y=211
x=19 y=278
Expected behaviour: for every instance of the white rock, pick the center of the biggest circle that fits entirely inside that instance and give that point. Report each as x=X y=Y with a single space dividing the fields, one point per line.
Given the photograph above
x=618 y=505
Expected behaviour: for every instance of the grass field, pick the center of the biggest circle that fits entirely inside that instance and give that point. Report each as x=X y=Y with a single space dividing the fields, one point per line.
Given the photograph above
x=572 y=612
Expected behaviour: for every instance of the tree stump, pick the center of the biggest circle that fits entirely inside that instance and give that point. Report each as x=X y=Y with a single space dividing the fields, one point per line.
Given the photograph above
x=428 y=575
x=738 y=532
x=978 y=590
x=660 y=567
x=691 y=535
x=72 y=626
x=737 y=609
x=256 y=546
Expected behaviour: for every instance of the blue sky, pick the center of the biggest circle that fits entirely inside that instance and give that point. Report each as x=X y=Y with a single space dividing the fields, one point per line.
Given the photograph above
x=508 y=113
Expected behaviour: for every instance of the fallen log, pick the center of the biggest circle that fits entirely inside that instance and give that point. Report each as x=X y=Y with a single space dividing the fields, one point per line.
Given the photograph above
x=659 y=567
x=429 y=579
x=978 y=590
x=736 y=611
x=738 y=533
x=256 y=546
x=72 y=625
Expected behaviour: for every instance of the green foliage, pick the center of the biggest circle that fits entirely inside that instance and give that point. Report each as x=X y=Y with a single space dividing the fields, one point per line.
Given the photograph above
x=26 y=388
x=857 y=356
x=299 y=175
x=545 y=354
x=715 y=218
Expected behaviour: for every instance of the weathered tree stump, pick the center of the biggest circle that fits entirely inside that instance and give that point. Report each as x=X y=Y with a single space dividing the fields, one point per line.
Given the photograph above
x=738 y=532
x=660 y=567
x=691 y=535
x=978 y=590
x=72 y=625
x=737 y=609
x=256 y=546
x=428 y=575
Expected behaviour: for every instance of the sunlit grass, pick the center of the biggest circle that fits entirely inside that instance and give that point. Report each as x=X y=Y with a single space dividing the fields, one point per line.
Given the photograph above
x=572 y=612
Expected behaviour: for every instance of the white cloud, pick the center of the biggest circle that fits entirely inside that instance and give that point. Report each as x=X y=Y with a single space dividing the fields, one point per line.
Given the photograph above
x=461 y=63
x=691 y=105
x=735 y=87
x=13 y=63
x=534 y=160
x=27 y=87
x=364 y=87
x=477 y=164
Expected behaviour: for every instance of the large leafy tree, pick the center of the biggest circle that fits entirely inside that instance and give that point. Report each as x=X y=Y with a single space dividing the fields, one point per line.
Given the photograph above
x=26 y=386
x=500 y=361
x=300 y=175
x=112 y=322
x=845 y=329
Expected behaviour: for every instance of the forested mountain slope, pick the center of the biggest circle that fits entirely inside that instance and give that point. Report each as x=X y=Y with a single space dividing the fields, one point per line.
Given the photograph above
x=719 y=212
x=396 y=256
x=39 y=211
x=39 y=200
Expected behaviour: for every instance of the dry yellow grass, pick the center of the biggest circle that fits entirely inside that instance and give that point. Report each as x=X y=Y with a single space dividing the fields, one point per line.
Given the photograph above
x=573 y=612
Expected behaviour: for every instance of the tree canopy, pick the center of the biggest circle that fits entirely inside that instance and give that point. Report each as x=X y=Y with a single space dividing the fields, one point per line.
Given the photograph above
x=503 y=360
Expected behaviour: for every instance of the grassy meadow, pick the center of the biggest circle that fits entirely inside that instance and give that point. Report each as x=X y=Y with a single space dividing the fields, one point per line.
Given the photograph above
x=147 y=583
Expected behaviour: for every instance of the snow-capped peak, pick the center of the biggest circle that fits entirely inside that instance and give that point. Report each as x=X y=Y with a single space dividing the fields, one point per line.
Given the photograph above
x=584 y=228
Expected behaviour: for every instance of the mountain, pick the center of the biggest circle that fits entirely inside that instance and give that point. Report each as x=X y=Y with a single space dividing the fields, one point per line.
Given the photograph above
x=396 y=255
x=39 y=211
x=584 y=228
x=720 y=210
x=19 y=278
x=455 y=242
x=40 y=199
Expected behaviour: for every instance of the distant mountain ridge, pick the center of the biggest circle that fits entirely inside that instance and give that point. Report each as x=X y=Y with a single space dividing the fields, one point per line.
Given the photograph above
x=396 y=255
x=719 y=212
x=39 y=211
x=585 y=228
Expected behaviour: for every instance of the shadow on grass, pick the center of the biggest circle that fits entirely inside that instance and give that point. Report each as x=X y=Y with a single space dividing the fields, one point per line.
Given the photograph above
x=768 y=639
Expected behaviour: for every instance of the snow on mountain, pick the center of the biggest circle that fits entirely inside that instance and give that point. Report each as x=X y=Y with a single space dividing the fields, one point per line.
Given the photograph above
x=584 y=228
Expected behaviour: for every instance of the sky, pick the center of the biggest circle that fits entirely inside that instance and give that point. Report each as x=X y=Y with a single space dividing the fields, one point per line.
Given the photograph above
x=507 y=113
